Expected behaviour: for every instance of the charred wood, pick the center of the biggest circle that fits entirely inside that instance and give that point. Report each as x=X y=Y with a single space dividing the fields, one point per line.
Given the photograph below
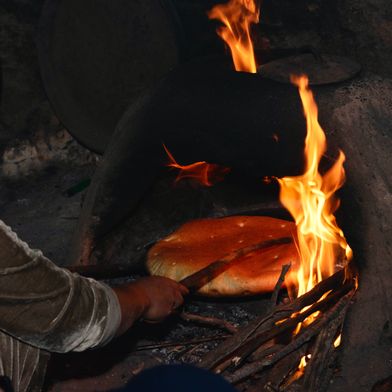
x=280 y=377
x=319 y=369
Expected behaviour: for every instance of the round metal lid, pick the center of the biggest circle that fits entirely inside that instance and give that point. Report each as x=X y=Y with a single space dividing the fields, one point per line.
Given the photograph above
x=96 y=56
x=325 y=70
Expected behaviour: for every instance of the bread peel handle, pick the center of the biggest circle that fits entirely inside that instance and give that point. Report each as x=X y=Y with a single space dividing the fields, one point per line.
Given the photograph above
x=198 y=279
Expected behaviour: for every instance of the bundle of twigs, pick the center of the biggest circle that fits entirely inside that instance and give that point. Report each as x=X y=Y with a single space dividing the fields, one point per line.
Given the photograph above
x=268 y=350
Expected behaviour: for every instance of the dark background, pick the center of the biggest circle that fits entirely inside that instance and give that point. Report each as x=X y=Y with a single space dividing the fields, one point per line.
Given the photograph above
x=360 y=29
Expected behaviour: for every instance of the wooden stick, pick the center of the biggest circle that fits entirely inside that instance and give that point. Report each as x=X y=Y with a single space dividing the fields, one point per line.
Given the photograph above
x=280 y=375
x=210 y=321
x=193 y=282
x=185 y=343
x=315 y=371
x=265 y=350
x=279 y=283
x=197 y=280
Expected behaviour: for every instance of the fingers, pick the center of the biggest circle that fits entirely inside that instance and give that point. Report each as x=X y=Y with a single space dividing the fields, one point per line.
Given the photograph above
x=165 y=296
x=178 y=300
x=184 y=290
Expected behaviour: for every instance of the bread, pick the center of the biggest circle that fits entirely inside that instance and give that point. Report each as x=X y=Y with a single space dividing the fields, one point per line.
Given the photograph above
x=198 y=243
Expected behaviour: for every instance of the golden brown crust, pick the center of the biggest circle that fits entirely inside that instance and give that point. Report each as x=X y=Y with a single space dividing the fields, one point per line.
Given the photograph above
x=198 y=243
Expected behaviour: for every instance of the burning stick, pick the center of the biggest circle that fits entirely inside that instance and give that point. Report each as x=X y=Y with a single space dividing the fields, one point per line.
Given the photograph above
x=332 y=297
x=318 y=371
x=281 y=312
x=338 y=311
x=285 y=325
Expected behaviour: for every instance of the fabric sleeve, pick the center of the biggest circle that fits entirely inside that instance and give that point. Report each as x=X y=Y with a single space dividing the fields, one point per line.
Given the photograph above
x=49 y=307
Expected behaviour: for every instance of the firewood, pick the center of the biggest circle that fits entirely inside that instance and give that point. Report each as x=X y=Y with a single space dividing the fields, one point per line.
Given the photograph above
x=227 y=347
x=278 y=379
x=209 y=321
x=285 y=325
x=317 y=371
x=279 y=283
x=298 y=341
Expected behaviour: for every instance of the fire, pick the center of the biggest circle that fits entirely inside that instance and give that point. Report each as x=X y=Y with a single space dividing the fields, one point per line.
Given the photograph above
x=338 y=341
x=299 y=371
x=237 y=16
x=204 y=173
x=304 y=361
x=320 y=240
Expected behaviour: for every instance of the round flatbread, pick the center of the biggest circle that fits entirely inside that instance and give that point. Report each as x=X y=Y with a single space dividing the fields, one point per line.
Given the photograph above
x=198 y=243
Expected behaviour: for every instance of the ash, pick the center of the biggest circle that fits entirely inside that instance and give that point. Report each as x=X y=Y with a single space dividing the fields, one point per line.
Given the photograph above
x=182 y=333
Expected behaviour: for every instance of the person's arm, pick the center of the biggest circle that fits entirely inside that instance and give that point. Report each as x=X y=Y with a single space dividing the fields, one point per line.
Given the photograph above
x=50 y=308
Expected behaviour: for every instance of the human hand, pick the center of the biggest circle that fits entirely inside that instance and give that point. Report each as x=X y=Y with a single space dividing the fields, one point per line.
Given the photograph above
x=163 y=297
x=152 y=299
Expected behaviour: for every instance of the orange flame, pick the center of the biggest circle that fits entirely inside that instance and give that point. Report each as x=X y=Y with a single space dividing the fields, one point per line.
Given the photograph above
x=304 y=361
x=237 y=15
x=204 y=173
x=338 y=341
x=320 y=240
x=299 y=372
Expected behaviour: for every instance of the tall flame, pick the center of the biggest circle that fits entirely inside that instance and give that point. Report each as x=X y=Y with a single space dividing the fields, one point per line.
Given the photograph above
x=236 y=16
x=320 y=240
x=204 y=173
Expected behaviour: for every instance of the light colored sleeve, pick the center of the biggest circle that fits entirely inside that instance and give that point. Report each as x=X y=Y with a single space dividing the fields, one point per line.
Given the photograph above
x=50 y=307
